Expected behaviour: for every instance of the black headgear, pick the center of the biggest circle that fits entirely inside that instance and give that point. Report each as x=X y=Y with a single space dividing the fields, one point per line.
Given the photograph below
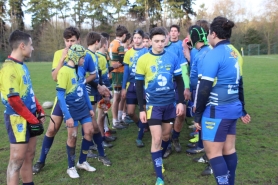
x=198 y=34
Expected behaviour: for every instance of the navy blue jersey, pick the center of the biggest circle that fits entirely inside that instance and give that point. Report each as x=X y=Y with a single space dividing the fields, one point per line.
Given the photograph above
x=158 y=71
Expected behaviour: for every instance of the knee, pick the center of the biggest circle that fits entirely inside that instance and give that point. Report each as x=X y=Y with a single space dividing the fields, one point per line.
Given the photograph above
x=166 y=137
x=72 y=138
x=157 y=142
x=50 y=132
x=131 y=114
x=15 y=164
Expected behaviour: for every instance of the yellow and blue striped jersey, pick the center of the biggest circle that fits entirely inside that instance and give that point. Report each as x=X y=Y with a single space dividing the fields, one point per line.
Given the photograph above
x=15 y=81
x=158 y=71
x=74 y=92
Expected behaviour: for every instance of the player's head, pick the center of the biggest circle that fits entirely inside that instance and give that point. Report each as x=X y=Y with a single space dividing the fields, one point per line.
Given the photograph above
x=138 y=36
x=174 y=32
x=146 y=40
x=76 y=53
x=104 y=43
x=158 y=37
x=22 y=41
x=220 y=29
x=71 y=36
x=121 y=31
x=204 y=24
x=107 y=36
x=197 y=34
x=127 y=38
x=93 y=38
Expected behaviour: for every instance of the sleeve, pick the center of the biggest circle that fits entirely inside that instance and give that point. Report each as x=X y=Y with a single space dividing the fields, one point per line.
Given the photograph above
x=177 y=67
x=185 y=76
x=10 y=87
x=140 y=94
x=62 y=102
x=180 y=87
x=127 y=58
x=121 y=54
x=125 y=77
x=140 y=69
x=87 y=98
x=210 y=67
x=56 y=59
x=89 y=64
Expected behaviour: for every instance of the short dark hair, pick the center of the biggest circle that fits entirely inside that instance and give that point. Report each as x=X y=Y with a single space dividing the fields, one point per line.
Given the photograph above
x=92 y=37
x=106 y=35
x=157 y=31
x=175 y=26
x=103 y=41
x=128 y=36
x=17 y=37
x=222 y=27
x=139 y=31
x=121 y=30
x=204 y=24
x=146 y=36
x=70 y=32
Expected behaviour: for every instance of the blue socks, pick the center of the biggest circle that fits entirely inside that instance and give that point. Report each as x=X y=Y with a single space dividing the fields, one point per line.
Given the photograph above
x=98 y=141
x=85 y=145
x=220 y=170
x=141 y=130
x=46 y=145
x=175 y=134
x=231 y=161
x=164 y=146
x=200 y=142
x=71 y=156
x=157 y=162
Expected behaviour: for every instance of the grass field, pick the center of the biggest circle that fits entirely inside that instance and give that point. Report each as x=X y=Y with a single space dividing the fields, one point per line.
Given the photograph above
x=256 y=143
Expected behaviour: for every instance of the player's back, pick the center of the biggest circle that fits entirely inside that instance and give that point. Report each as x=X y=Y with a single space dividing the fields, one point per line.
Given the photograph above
x=115 y=49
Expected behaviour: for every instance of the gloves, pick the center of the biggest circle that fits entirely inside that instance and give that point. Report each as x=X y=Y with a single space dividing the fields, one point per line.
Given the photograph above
x=35 y=129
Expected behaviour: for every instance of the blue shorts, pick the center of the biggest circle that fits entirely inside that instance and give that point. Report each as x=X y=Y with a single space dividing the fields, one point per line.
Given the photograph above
x=17 y=129
x=82 y=121
x=131 y=96
x=95 y=98
x=161 y=114
x=56 y=110
x=216 y=130
x=107 y=83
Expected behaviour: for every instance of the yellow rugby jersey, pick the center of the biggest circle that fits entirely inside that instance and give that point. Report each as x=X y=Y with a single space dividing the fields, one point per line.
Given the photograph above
x=103 y=65
x=15 y=80
x=56 y=58
x=158 y=71
x=74 y=92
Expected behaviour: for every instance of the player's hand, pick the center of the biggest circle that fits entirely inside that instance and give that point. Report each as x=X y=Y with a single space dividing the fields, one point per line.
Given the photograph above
x=103 y=90
x=123 y=93
x=246 y=119
x=70 y=123
x=197 y=125
x=143 y=117
x=187 y=94
x=92 y=113
x=179 y=109
x=42 y=119
x=194 y=109
x=115 y=66
x=64 y=54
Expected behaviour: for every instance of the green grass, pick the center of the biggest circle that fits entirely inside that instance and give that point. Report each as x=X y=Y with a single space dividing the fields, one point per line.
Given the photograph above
x=256 y=143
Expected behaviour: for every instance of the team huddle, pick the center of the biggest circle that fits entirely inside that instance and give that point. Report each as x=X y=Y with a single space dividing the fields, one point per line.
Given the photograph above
x=164 y=77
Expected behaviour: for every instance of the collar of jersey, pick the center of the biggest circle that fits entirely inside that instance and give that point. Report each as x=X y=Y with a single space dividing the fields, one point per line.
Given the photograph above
x=168 y=44
x=69 y=66
x=174 y=41
x=203 y=46
x=91 y=51
x=226 y=42
x=137 y=49
x=15 y=60
x=151 y=52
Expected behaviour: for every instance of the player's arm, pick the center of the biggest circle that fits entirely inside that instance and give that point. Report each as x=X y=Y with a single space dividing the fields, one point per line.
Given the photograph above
x=90 y=67
x=125 y=77
x=180 y=88
x=140 y=77
x=241 y=96
x=60 y=63
x=87 y=98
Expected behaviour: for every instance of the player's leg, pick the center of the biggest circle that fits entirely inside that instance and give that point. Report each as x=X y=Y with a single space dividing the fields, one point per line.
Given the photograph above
x=85 y=145
x=229 y=152
x=214 y=144
x=26 y=172
x=19 y=137
x=71 y=145
x=98 y=139
x=48 y=139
